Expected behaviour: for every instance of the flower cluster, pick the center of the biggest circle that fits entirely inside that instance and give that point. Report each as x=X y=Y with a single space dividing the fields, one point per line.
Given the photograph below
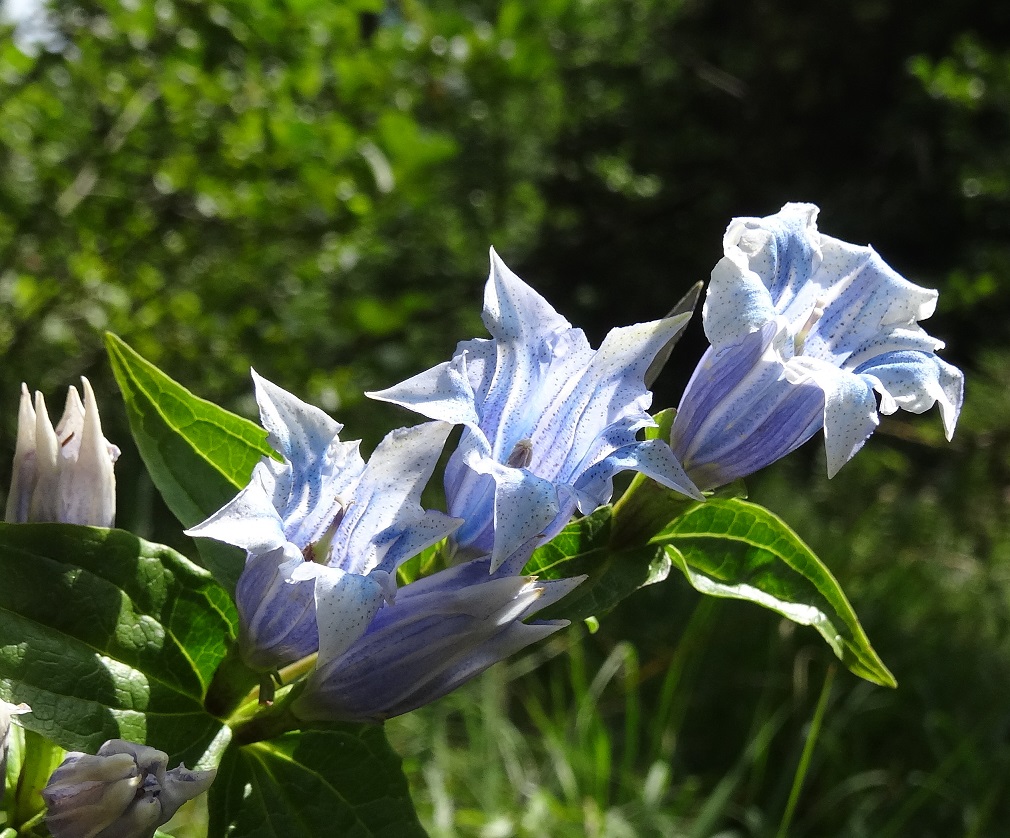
x=547 y=421
x=806 y=333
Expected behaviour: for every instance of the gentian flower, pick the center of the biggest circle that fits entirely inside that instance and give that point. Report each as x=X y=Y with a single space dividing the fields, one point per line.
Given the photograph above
x=439 y=632
x=62 y=474
x=7 y=711
x=548 y=420
x=324 y=532
x=807 y=332
x=124 y=791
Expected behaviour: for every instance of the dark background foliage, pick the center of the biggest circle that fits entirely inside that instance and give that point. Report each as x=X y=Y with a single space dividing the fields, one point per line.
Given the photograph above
x=310 y=187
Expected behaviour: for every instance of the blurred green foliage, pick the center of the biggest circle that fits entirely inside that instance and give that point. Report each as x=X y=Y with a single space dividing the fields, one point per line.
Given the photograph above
x=310 y=187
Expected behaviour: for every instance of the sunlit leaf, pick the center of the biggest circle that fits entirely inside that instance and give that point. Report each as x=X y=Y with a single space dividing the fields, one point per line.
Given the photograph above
x=108 y=636
x=199 y=455
x=732 y=548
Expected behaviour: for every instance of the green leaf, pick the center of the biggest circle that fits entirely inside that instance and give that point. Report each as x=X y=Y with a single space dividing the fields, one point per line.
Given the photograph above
x=336 y=780
x=108 y=636
x=584 y=548
x=199 y=455
x=732 y=548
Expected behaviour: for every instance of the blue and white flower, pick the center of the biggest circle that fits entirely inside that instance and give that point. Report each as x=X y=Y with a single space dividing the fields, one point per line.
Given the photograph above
x=807 y=332
x=441 y=631
x=548 y=420
x=324 y=532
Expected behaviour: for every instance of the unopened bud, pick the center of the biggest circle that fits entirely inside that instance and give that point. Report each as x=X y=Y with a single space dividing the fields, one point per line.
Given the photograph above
x=65 y=473
x=124 y=790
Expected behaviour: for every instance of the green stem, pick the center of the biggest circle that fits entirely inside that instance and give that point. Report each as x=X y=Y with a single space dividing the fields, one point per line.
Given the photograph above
x=808 y=752
x=40 y=760
x=272 y=722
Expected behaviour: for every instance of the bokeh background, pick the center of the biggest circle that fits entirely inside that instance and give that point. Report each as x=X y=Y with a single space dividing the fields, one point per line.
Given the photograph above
x=311 y=187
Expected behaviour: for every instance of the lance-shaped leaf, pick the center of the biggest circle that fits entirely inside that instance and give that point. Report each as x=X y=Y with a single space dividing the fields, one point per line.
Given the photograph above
x=107 y=636
x=198 y=454
x=336 y=780
x=736 y=549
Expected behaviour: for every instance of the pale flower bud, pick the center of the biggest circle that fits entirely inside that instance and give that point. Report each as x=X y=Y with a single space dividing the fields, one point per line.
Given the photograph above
x=122 y=792
x=63 y=474
x=6 y=712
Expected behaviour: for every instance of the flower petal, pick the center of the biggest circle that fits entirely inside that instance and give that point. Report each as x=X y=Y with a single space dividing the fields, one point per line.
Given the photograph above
x=524 y=505
x=442 y=393
x=305 y=490
x=345 y=605
x=249 y=520
x=278 y=612
x=850 y=410
x=915 y=382
x=441 y=631
x=388 y=497
x=608 y=394
x=25 y=473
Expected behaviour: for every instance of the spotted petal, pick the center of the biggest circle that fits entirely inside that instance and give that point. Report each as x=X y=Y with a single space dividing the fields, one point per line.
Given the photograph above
x=549 y=420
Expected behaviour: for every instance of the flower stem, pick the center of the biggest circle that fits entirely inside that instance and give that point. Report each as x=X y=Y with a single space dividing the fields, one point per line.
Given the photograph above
x=271 y=722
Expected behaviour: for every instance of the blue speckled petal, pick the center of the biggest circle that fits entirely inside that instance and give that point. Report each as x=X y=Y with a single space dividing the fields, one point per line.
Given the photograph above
x=387 y=497
x=345 y=605
x=319 y=466
x=850 y=410
x=249 y=520
x=915 y=382
x=441 y=393
x=524 y=505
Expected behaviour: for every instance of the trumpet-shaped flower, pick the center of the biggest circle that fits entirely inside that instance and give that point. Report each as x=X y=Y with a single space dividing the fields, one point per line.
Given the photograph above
x=548 y=420
x=124 y=791
x=807 y=332
x=324 y=532
x=440 y=631
x=62 y=474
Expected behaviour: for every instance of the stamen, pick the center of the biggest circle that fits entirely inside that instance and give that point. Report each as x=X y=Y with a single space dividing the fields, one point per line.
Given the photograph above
x=319 y=551
x=801 y=336
x=522 y=454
